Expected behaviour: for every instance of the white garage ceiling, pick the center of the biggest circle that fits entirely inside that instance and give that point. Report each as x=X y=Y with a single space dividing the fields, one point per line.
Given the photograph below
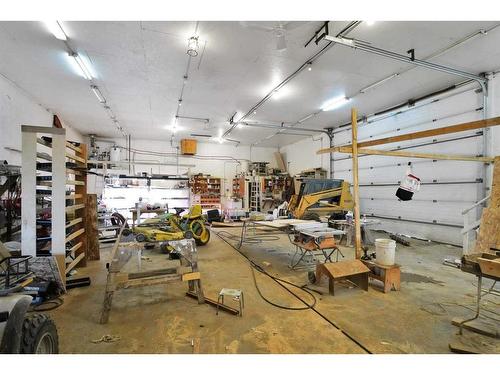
x=139 y=67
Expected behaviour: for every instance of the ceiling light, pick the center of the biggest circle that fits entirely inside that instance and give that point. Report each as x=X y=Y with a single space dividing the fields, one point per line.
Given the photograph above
x=370 y=23
x=335 y=103
x=56 y=29
x=98 y=94
x=185 y=79
x=192 y=46
x=220 y=140
x=110 y=112
x=280 y=39
x=344 y=41
x=254 y=112
x=309 y=68
x=180 y=102
x=81 y=65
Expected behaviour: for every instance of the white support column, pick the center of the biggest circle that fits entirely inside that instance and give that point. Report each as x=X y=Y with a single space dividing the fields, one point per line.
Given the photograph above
x=58 y=193
x=28 y=192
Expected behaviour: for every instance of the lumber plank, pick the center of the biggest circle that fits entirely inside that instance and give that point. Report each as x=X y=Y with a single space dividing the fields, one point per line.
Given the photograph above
x=473 y=125
x=76 y=158
x=418 y=155
x=75 y=248
x=73 y=235
x=74 y=207
x=73 y=222
x=73 y=147
x=355 y=178
x=73 y=264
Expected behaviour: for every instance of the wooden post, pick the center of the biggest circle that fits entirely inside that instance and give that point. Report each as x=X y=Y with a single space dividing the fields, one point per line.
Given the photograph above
x=357 y=223
x=91 y=231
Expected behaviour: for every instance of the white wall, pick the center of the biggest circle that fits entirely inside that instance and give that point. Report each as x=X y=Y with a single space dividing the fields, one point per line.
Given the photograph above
x=18 y=108
x=442 y=203
x=301 y=155
x=218 y=160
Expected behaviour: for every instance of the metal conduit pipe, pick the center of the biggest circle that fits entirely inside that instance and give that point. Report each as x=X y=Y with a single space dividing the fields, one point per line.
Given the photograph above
x=283 y=127
x=408 y=106
x=478 y=134
x=379 y=184
x=362 y=46
x=351 y=26
x=418 y=200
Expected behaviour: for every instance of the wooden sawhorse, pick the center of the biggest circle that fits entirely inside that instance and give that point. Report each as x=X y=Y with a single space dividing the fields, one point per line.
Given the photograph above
x=352 y=270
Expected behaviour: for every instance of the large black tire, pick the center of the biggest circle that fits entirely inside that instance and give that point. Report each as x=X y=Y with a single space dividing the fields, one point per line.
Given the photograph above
x=203 y=241
x=310 y=216
x=140 y=237
x=39 y=335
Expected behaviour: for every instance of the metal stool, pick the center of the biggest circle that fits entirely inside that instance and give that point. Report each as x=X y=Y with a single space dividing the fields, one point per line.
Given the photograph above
x=235 y=293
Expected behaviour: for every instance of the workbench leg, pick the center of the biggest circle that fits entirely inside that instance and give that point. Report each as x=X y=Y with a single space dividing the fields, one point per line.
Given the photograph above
x=331 y=286
x=478 y=307
x=392 y=279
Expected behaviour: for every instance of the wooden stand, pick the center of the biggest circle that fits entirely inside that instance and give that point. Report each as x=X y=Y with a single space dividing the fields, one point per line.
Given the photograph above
x=352 y=270
x=188 y=271
x=389 y=275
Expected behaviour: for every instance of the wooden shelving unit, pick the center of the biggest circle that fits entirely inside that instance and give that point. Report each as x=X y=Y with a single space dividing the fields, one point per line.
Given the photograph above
x=56 y=174
x=239 y=187
x=206 y=191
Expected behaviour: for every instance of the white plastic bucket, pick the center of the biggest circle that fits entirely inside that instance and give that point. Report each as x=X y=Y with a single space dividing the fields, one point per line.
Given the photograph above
x=385 y=251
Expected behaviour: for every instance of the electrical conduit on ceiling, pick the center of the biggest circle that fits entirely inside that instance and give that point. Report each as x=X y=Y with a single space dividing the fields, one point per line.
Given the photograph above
x=305 y=65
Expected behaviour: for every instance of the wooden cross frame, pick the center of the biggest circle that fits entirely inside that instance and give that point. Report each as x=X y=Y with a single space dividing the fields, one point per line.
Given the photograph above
x=116 y=279
x=360 y=148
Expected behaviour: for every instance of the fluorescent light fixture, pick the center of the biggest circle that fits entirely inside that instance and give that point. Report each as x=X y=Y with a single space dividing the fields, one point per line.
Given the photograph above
x=240 y=125
x=373 y=85
x=192 y=46
x=344 y=41
x=98 y=94
x=335 y=103
x=56 y=29
x=85 y=71
x=370 y=23
x=306 y=118
x=110 y=112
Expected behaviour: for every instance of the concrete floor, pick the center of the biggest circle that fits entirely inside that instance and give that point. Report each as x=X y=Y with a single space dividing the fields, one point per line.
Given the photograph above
x=160 y=319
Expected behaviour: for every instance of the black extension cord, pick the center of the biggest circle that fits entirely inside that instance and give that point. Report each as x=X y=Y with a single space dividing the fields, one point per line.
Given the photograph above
x=281 y=282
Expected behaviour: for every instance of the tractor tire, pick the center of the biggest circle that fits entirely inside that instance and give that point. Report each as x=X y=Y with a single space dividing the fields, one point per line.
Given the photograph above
x=203 y=240
x=126 y=232
x=140 y=237
x=310 y=216
x=201 y=233
x=39 y=335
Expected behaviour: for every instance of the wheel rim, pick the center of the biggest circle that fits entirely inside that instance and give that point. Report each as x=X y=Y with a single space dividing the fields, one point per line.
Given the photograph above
x=45 y=345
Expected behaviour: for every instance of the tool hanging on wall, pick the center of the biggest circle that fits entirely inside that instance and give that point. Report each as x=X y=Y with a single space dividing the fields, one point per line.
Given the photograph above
x=409 y=185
